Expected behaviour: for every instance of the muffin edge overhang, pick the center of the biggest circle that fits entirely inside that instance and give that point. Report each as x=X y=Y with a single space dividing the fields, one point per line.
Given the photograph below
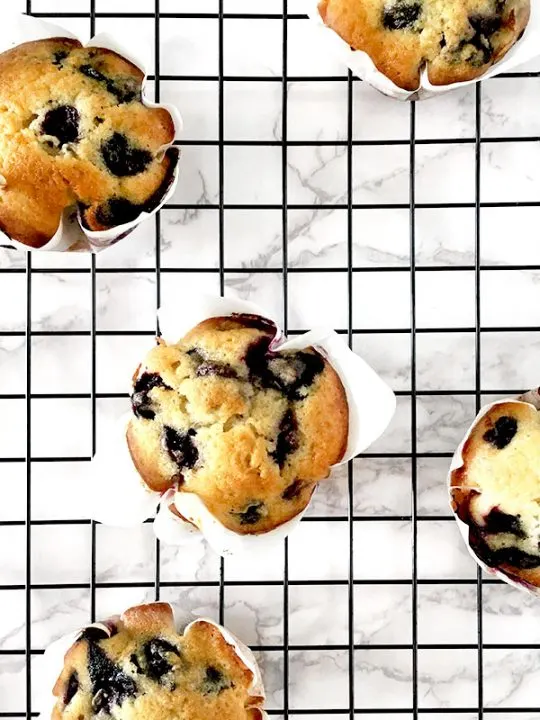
x=52 y=661
x=531 y=398
x=71 y=233
x=127 y=501
x=361 y=64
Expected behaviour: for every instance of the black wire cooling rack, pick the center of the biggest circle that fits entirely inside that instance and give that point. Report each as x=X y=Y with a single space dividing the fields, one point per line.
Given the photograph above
x=355 y=706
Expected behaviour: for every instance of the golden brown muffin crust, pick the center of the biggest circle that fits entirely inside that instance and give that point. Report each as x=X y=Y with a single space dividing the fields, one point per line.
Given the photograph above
x=496 y=491
x=78 y=135
x=249 y=430
x=456 y=41
x=141 y=668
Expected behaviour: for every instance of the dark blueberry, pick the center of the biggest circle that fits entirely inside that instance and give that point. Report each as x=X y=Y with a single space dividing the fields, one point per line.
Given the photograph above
x=295 y=372
x=207 y=367
x=72 y=688
x=124 y=92
x=256 y=360
x=251 y=514
x=214 y=681
x=94 y=634
x=92 y=73
x=155 y=655
x=486 y=25
x=287 y=372
x=117 y=211
x=484 y=51
x=442 y=42
x=293 y=491
x=180 y=446
x=305 y=368
x=99 y=120
x=287 y=439
x=141 y=403
x=504 y=556
x=502 y=433
x=62 y=123
x=59 y=56
x=121 y=158
x=135 y=660
x=256 y=322
x=500 y=522
x=110 y=684
x=402 y=15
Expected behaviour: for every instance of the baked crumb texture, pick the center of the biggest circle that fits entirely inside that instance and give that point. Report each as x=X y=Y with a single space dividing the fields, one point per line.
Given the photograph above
x=75 y=133
x=496 y=492
x=249 y=430
x=456 y=41
x=139 y=667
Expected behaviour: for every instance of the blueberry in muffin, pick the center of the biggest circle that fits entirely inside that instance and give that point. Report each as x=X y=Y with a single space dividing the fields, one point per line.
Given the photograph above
x=138 y=666
x=78 y=136
x=456 y=40
x=496 y=491
x=249 y=429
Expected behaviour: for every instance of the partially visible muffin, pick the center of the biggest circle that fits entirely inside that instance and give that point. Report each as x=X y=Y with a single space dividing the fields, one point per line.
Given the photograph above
x=496 y=491
x=248 y=429
x=457 y=40
x=74 y=132
x=138 y=667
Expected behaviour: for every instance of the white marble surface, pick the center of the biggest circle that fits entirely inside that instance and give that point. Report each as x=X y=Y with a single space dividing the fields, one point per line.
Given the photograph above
x=446 y=607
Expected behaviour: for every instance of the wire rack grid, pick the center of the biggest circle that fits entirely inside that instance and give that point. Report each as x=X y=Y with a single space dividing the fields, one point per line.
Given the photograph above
x=352 y=652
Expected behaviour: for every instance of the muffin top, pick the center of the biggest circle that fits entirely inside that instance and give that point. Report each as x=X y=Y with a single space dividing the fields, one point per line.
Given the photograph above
x=248 y=429
x=496 y=492
x=79 y=135
x=456 y=40
x=138 y=667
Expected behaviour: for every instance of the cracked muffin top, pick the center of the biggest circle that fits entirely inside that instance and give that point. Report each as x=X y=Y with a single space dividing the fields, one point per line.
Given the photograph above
x=138 y=667
x=248 y=429
x=456 y=40
x=496 y=492
x=79 y=135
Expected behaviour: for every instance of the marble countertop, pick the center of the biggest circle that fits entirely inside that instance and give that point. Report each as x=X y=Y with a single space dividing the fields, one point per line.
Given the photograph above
x=384 y=674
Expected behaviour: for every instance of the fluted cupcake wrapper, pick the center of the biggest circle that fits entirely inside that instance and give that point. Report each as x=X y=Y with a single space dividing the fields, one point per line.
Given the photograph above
x=531 y=398
x=363 y=66
x=50 y=666
x=71 y=235
x=118 y=496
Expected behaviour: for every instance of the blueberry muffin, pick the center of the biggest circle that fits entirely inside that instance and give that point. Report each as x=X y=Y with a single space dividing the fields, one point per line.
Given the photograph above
x=138 y=667
x=456 y=40
x=78 y=135
x=496 y=491
x=248 y=429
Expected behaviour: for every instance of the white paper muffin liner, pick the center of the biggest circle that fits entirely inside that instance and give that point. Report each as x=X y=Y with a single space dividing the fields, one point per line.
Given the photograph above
x=16 y=29
x=117 y=495
x=531 y=398
x=51 y=664
x=363 y=66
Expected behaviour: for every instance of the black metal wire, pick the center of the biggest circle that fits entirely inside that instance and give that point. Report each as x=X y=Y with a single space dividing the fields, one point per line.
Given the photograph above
x=221 y=226
x=93 y=399
x=28 y=463
x=350 y=464
x=285 y=297
x=478 y=368
x=414 y=467
x=349 y=270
